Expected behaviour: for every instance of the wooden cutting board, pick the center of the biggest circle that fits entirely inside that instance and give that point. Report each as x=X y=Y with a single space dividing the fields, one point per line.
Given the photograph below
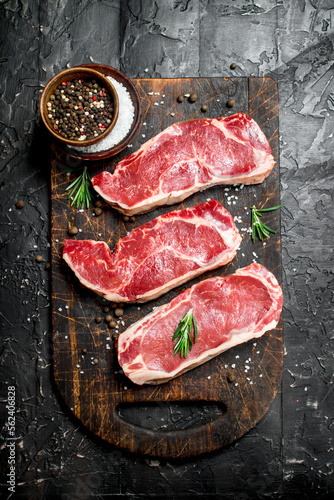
x=242 y=382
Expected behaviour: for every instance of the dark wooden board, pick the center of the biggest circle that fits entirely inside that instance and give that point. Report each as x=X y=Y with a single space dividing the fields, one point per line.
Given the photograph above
x=96 y=392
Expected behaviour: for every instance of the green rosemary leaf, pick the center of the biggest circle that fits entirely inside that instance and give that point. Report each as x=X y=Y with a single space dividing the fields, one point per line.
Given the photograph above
x=258 y=227
x=269 y=209
x=80 y=193
x=183 y=333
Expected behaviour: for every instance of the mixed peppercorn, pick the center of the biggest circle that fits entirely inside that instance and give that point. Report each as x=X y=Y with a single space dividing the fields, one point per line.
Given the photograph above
x=80 y=109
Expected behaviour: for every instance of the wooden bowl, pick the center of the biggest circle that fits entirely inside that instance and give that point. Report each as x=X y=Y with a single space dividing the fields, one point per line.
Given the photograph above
x=67 y=76
x=117 y=148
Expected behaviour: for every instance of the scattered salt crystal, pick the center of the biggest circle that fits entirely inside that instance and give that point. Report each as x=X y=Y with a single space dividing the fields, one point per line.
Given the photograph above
x=150 y=93
x=59 y=309
x=233 y=366
x=107 y=346
x=255 y=343
x=138 y=308
x=172 y=114
x=146 y=70
x=67 y=307
x=125 y=387
x=143 y=135
x=209 y=377
x=260 y=375
x=156 y=104
x=236 y=384
x=66 y=337
x=82 y=371
x=80 y=230
x=78 y=366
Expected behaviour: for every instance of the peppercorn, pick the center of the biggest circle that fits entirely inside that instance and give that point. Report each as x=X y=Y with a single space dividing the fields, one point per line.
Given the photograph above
x=204 y=108
x=95 y=361
x=233 y=66
x=126 y=218
x=119 y=312
x=19 y=204
x=47 y=265
x=106 y=309
x=180 y=98
x=132 y=218
x=98 y=203
x=98 y=319
x=193 y=97
x=230 y=378
x=112 y=324
x=84 y=351
x=230 y=103
x=97 y=211
x=39 y=258
x=108 y=318
x=73 y=230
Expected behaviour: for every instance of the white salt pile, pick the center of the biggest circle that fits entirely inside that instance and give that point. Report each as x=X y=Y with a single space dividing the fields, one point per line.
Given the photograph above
x=126 y=113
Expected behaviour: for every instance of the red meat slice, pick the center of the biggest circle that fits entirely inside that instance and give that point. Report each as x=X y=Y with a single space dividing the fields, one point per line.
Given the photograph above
x=185 y=158
x=158 y=255
x=228 y=311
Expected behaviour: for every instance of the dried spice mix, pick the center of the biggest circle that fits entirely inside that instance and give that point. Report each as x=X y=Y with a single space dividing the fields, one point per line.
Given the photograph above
x=80 y=109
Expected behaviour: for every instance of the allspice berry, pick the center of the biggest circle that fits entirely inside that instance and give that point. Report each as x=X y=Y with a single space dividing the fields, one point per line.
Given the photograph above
x=73 y=230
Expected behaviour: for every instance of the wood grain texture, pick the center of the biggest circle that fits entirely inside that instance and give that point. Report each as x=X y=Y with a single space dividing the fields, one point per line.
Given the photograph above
x=95 y=391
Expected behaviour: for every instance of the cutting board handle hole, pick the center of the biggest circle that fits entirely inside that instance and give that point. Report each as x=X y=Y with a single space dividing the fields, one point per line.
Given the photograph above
x=171 y=415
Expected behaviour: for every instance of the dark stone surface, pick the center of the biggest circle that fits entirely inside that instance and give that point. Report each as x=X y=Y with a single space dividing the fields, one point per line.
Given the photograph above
x=290 y=452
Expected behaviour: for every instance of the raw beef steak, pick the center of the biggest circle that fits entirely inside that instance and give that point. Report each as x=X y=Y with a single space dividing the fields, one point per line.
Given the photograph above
x=185 y=158
x=158 y=255
x=228 y=311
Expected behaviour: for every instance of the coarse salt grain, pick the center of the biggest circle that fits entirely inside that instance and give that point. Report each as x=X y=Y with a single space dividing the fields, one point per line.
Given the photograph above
x=126 y=113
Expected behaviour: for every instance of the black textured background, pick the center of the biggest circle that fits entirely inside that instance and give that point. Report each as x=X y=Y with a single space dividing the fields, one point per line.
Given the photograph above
x=290 y=452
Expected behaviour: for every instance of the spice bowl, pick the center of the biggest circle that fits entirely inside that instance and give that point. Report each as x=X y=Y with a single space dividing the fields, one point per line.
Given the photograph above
x=128 y=121
x=79 y=107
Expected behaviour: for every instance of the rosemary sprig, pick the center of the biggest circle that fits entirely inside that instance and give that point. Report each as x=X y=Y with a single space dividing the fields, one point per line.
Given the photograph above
x=258 y=226
x=183 y=333
x=80 y=190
